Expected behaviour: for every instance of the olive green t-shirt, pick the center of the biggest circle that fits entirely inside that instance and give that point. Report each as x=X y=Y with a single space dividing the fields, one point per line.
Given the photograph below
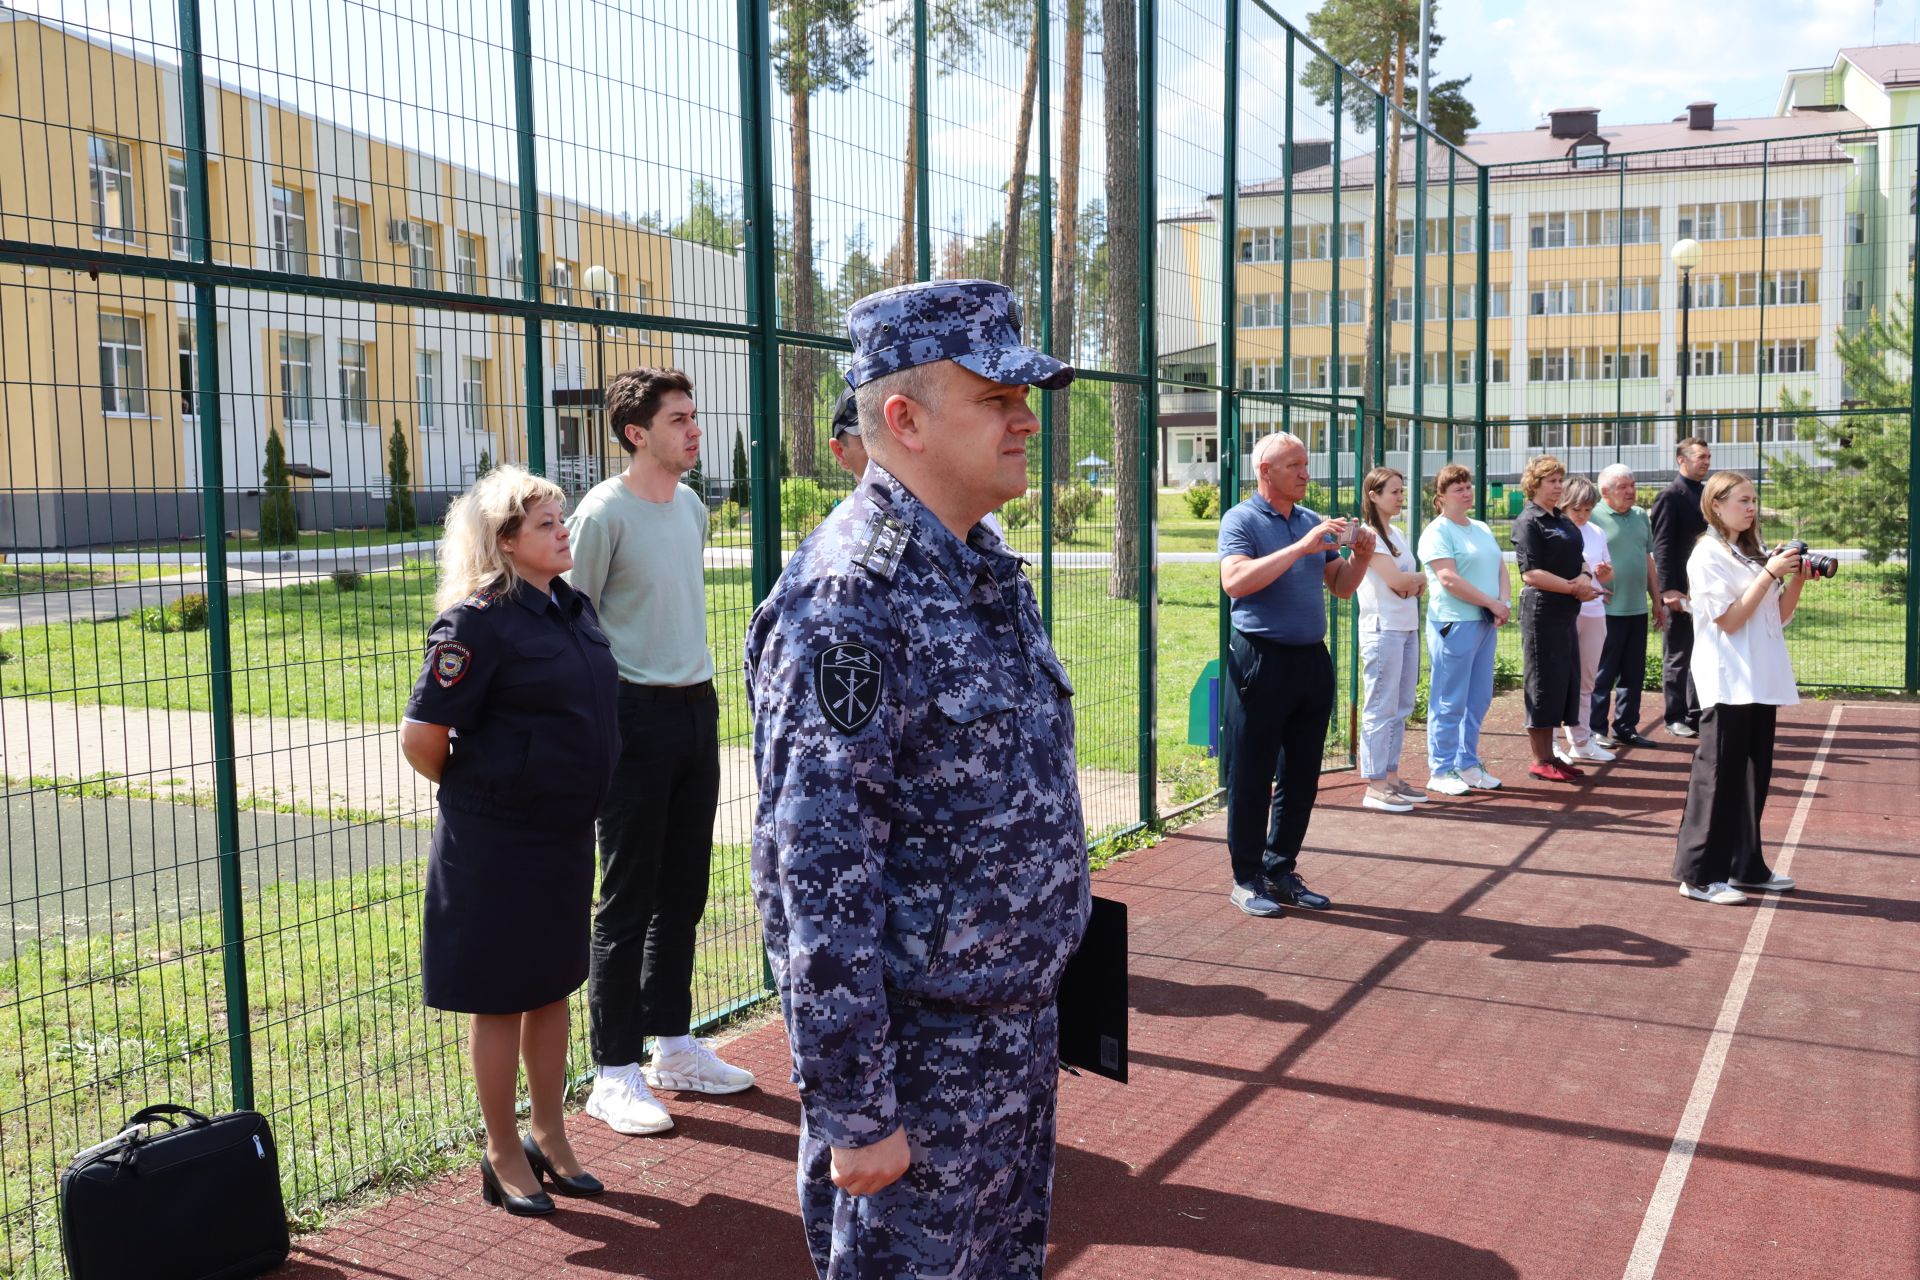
x=641 y=563
x=1629 y=538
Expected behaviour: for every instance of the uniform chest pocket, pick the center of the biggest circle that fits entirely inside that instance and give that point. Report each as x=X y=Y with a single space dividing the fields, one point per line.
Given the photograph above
x=974 y=698
x=539 y=648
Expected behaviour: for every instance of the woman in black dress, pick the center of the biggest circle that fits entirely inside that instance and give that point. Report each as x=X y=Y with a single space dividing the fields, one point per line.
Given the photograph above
x=513 y=715
x=1552 y=559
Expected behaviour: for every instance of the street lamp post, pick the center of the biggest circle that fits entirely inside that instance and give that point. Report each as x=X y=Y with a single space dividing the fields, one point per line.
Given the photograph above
x=1686 y=256
x=599 y=282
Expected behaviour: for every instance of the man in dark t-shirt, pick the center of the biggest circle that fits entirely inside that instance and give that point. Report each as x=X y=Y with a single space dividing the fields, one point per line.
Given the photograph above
x=1678 y=523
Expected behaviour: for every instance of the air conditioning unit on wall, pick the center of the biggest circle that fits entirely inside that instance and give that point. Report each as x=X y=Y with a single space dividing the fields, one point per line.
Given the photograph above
x=400 y=231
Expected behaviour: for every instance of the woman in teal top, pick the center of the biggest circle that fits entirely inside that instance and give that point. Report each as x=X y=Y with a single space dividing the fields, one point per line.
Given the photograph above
x=1467 y=602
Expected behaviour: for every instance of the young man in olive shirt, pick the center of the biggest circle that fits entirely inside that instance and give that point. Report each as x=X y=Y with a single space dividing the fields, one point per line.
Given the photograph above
x=638 y=544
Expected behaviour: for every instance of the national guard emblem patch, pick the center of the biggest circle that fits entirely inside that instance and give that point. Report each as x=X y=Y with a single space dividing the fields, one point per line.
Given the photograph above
x=450 y=663
x=846 y=679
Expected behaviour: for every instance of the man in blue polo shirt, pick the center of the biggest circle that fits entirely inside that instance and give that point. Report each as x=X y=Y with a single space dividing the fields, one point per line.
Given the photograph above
x=1277 y=558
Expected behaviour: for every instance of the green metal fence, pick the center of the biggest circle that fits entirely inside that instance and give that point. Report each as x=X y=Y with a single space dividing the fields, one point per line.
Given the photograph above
x=226 y=232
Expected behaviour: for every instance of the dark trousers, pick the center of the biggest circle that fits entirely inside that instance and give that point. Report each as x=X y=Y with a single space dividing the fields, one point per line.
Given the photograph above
x=1623 y=661
x=1279 y=700
x=656 y=847
x=1726 y=794
x=1683 y=703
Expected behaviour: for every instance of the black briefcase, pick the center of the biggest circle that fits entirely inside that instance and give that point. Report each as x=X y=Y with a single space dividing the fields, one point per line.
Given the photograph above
x=1093 y=995
x=175 y=1196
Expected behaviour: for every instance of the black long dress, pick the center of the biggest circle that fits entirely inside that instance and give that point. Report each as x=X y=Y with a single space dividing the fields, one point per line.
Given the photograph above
x=527 y=683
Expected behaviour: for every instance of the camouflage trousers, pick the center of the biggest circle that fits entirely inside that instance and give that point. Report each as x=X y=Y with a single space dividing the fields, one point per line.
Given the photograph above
x=976 y=1097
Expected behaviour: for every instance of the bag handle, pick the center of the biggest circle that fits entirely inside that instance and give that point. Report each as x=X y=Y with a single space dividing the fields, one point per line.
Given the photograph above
x=168 y=1112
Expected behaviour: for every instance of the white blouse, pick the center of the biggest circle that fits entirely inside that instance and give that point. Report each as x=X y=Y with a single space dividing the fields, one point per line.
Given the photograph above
x=1751 y=665
x=1380 y=608
x=1597 y=554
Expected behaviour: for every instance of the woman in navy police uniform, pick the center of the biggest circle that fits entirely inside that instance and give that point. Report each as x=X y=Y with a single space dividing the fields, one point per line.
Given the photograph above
x=1552 y=561
x=513 y=715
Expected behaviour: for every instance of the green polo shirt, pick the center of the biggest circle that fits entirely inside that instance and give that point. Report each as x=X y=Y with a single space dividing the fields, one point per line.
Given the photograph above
x=1629 y=539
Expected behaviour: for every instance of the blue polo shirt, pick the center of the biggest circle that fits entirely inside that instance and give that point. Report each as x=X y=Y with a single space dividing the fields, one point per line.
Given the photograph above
x=1292 y=609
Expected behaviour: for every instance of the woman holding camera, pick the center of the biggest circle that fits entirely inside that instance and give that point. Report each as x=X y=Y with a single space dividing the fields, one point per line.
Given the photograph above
x=513 y=715
x=1469 y=602
x=1389 y=601
x=1552 y=558
x=1741 y=598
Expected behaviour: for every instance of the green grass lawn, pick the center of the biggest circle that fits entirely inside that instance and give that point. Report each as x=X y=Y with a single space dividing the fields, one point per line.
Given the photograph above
x=309 y=540
x=363 y=1084
x=28 y=579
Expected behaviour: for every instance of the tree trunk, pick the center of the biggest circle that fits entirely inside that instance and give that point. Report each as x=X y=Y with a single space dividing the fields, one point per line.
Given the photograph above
x=1386 y=238
x=1122 y=122
x=1066 y=256
x=801 y=378
x=900 y=263
x=1017 y=185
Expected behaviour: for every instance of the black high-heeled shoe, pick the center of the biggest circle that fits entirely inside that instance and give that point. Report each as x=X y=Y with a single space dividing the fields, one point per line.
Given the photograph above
x=580 y=1184
x=537 y=1205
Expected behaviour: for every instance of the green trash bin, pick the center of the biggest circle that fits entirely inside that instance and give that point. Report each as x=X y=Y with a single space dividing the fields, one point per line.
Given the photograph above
x=1515 y=500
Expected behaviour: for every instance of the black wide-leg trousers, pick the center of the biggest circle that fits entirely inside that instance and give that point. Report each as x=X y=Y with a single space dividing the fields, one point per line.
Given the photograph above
x=1726 y=795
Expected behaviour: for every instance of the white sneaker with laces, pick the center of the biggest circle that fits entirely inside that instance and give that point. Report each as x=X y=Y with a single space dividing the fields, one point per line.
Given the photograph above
x=1449 y=783
x=1479 y=779
x=1589 y=751
x=1719 y=892
x=695 y=1070
x=1778 y=884
x=621 y=1098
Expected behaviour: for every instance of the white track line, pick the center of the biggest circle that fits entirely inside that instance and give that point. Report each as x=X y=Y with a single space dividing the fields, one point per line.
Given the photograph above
x=1673 y=1178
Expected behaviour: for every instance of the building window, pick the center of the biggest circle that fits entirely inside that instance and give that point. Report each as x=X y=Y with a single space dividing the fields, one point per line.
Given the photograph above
x=177 y=222
x=1353 y=306
x=296 y=378
x=473 y=393
x=347 y=248
x=1856 y=228
x=123 y=364
x=1353 y=371
x=466 y=263
x=353 y=383
x=1856 y=295
x=110 y=184
x=287 y=230
x=423 y=254
x=426 y=388
x=189 y=369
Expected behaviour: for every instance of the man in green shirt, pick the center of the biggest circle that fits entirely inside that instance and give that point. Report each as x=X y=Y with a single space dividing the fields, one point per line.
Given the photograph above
x=1635 y=589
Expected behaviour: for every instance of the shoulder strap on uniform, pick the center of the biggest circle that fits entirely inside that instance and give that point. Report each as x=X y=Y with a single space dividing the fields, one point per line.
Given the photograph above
x=887 y=539
x=480 y=600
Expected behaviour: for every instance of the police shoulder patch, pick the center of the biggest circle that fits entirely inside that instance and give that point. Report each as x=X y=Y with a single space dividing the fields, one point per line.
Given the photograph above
x=480 y=599
x=449 y=661
x=887 y=539
x=846 y=680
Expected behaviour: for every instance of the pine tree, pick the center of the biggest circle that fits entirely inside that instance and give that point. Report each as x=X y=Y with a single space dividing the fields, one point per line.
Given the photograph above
x=483 y=466
x=741 y=491
x=279 y=520
x=400 y=514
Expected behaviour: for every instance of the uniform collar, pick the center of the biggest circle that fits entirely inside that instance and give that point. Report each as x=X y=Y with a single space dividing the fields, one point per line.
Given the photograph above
x=948 y=553
x=569 y=601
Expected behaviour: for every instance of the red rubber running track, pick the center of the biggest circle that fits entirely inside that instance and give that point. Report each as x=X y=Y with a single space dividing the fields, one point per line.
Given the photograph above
x=1510 y=1050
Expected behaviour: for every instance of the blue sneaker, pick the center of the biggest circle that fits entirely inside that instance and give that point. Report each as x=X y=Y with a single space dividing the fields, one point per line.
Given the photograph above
x=1254 y=902
x=1293 y=891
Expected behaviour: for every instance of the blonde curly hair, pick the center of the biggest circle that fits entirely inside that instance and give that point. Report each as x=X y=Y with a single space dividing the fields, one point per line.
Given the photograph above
x=471 y=558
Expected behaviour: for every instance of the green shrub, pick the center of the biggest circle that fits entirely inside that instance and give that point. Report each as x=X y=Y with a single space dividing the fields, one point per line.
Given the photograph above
x=1506 y=673
x=1318 y=498
x=1073 y=503
x=727 y=514
x=188 y=613
x=346 y=579
x=400 y=514
x=801 y=497
x=1656 y=674
x=279 y=521
x=152 y=618
x=1203 y=500
x=1065 y=522
x=1419 y=715
x=1017 y=514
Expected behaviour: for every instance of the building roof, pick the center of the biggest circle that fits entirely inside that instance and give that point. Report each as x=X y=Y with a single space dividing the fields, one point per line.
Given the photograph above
x=1802 y=138
x=1891 y=66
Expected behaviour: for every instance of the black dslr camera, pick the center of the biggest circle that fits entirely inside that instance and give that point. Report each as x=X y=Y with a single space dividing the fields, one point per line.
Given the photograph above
x=1817 y=566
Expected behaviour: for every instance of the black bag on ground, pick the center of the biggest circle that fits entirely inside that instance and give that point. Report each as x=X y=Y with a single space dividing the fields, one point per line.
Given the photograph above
x=175 y=1196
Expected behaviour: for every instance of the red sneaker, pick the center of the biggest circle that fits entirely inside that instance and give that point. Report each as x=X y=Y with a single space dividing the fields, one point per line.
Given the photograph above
x=1553 y=771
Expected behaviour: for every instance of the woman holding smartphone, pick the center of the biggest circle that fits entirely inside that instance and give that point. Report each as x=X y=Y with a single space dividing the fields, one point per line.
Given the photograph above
x=1741 y=599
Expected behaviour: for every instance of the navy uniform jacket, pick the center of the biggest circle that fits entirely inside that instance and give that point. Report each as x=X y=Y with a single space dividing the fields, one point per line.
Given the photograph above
x=919 y=835
x=527 y=683
x=1550 y=541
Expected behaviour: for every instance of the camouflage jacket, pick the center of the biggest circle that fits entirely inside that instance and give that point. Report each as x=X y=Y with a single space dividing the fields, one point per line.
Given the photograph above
x=919 y=836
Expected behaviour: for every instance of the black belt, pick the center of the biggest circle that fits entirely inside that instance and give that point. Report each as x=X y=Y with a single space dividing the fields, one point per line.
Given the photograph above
x=667 y=692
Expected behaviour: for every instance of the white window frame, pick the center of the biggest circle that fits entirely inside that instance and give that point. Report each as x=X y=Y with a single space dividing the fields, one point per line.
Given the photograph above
x=296 y=378
x=110 y=189
x=1856 y=297
x=349 y=243
x=123 y=365
x=466 y=262
x=473 y=393
x=179 y=223
x=188 y=362
x=287 y=229
x=352 y=382
x=1856 y=228
x=426 y=389
x=423 y=255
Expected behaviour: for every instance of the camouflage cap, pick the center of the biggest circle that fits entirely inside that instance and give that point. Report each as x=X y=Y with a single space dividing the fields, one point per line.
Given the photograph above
x=846 y=415
x=974 y=323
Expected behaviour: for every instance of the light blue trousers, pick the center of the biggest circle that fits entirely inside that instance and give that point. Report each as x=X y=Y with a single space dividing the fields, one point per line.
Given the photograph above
x=1459 y=690
x=1390 y=663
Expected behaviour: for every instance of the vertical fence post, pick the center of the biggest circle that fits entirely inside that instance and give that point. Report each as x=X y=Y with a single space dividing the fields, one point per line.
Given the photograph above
x=213 y=542
x=1043 y=32
x=1453 y=360
x=1913 y=440
x=922 y=217
x=1383 y=173
x=1229 y=412
x=529 y=235
x=1149 y=502
x=1230 y=496
x=1620 y=313
x=1336 y=234
x=1482 y=291
x=1760 y=336
x=1417 y=444
x=763 y=468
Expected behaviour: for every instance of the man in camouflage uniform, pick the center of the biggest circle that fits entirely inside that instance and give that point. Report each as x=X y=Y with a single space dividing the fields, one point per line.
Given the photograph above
x=919 y=854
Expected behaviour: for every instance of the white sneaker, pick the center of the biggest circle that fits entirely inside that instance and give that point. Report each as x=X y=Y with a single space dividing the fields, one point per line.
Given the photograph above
x=1449 y=783
x=1592 y=752
x=1385 y=801
x=1479 y=779
x=623 y=1100
x=1719 y=892
x=695 y=1070
x=1680 y=729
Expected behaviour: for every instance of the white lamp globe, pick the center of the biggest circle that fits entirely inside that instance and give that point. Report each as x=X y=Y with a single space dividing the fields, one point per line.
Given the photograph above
x=599 y=280
x=1686 y=254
